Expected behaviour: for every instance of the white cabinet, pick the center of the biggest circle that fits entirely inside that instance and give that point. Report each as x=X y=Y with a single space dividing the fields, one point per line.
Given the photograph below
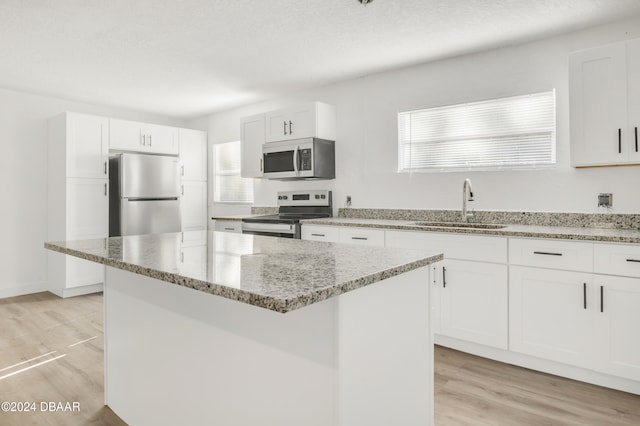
x=617 y=336
x=320 y=233
x=87 y=146
x=143 y=137
x=193 y=154
x=314 y=119
x=552 y=254
x=193 y=205
x=472 y=299
x=604 y=89
x=474 y=302
x=362 y=236
x=78 y=199
x=252 y=137
x=228 y=226
x=193 y=174
x=551 y=314
x=344 y=234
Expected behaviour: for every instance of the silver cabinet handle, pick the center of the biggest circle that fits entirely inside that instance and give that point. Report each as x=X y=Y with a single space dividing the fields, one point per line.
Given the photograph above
x=601 y=298
x=182 y=170
x=150 y=139
x=229 y=229
x=261 y=164
x=584 y=295
x=359 y=238
x=285 y=127
x=547 y=253
x=290 y=127
x=318 y=235
x=105 y=167
x=619 y=141
x=444 y=277
x=181 y=257
x=105 y=189
x=182 y=189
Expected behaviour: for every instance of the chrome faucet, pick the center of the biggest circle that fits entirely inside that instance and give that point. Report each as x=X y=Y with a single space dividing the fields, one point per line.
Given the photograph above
x=466 y=188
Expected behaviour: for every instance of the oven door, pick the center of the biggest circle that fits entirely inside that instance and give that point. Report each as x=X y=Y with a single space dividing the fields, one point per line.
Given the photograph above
x=288 y=160
x=285 y=230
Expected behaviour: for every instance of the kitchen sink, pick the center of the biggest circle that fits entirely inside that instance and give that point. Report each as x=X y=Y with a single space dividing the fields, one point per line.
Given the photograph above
x=458 y=225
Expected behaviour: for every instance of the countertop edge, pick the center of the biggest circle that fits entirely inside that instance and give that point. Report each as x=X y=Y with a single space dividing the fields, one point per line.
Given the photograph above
x=266 y=302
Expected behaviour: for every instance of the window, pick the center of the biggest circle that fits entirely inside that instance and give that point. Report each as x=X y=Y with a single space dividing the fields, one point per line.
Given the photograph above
x=228 y=185
x=500 y=133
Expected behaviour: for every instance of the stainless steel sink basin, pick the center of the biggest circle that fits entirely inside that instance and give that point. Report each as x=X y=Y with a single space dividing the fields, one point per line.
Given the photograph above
x=458 y=225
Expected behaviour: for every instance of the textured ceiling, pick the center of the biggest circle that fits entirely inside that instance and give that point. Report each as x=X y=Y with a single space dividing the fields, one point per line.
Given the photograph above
x=190 y=57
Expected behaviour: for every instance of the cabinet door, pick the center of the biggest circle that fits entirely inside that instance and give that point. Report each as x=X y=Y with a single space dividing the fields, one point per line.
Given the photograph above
x=160 y=139
x=302 y=122
x=193 y=205
x=87 y=217
x=551 y=315
x=87 y=146
x=252 y=137
x=473 y=302
x=633 y=89
x=617 y=331
x=598 y=106
x=193 y=154
x=126 y=135
x=277 y=125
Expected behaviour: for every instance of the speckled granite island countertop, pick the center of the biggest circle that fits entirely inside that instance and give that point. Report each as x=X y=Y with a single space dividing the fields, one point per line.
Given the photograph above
x=278 y=274
x=631 y=236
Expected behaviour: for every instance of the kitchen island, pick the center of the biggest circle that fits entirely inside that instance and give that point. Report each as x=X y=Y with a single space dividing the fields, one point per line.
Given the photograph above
x=228 y=329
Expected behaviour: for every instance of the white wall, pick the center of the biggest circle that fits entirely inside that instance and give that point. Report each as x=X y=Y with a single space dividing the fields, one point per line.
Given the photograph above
x=23 y=190
x=366 y=146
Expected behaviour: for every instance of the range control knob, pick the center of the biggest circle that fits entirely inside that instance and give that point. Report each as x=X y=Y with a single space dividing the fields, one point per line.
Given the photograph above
x=323 y=196
x=317 y=197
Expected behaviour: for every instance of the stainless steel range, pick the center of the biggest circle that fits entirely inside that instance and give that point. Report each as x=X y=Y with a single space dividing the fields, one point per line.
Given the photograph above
x=294 y=206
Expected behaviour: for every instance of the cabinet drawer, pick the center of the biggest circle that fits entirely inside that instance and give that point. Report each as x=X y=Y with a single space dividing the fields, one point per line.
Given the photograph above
x=321 y=233
x=228 y=226
x=363 y=236
x=617 y=259
x=567 y=255
x=463 y=247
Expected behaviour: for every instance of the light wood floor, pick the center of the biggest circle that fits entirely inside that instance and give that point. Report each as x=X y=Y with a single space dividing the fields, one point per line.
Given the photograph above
x=468 y=390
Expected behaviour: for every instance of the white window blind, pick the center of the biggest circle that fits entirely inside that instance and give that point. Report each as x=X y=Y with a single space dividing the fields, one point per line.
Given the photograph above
x=229 y=186
x=508 y=132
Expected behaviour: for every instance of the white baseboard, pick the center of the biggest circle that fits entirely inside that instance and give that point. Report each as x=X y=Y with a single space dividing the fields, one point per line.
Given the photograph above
x=78 y=291
x=22 y=289
x=543 y=365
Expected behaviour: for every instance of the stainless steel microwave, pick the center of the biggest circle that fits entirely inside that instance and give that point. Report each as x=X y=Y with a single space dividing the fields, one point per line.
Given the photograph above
x=309 y=158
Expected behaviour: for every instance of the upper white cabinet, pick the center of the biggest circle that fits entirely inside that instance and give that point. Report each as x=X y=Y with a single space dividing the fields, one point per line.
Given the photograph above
x=87 y=145
x=314 y=119
x=193 y=154
x=252 y=137
x=143 y=137
x=604 y=86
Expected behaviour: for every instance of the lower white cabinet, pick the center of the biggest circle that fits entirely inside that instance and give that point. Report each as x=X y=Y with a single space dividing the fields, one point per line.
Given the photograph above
x=321 y=233
x=471 y=302
x=228 y=226
x=551 y=314
x=474 y=303
x=344 y=234
x=617 y=326
x=193 y=205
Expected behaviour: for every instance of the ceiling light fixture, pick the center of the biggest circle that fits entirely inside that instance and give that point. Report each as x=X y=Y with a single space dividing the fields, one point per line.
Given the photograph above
x=365 y=2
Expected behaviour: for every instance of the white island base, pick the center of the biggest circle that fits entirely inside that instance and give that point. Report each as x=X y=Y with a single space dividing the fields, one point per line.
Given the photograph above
x=174 y=355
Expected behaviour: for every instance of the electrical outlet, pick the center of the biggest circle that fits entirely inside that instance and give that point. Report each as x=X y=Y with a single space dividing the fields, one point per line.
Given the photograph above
x=605 y=200
x=348 y=201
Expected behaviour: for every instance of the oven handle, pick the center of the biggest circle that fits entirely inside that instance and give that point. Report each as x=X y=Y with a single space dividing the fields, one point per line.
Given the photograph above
x=295 y=160
x=281 y=228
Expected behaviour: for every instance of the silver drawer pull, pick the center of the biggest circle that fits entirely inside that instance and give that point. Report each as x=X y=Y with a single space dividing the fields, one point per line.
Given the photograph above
x=229 y=229
x=633 y=260
x=359 y=238
x=318 y=235
x=547 y=253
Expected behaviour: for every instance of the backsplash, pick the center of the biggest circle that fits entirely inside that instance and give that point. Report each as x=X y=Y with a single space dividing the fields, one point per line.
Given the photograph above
x=580 y=220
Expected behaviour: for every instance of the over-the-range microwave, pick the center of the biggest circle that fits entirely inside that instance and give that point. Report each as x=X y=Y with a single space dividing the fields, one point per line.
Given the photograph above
x=309 y=158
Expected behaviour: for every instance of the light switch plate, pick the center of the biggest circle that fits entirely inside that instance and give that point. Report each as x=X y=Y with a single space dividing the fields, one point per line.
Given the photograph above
x=605 y=200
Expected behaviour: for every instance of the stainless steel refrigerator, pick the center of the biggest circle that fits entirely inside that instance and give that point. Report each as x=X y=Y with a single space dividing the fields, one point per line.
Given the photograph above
x=144 y=194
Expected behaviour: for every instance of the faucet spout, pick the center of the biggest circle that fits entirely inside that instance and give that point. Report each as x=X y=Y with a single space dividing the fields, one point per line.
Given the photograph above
x=467 y=195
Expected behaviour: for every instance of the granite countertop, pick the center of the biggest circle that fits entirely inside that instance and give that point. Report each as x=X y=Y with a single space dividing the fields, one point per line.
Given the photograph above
x=531 y=231
x=279 y=274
